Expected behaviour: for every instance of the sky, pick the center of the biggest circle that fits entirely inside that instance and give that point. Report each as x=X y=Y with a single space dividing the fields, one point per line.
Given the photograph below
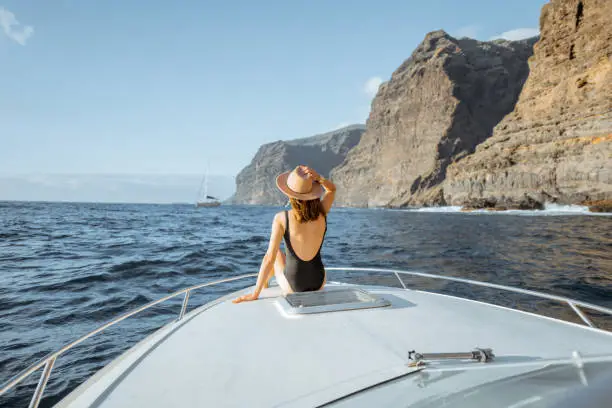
x=91 y=89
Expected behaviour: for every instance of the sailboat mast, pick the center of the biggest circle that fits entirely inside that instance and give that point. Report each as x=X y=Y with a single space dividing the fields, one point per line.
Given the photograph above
x=206 y=182
x=200 y=190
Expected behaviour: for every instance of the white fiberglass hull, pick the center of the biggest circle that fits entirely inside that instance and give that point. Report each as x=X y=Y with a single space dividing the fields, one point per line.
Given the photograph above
x=224 y=354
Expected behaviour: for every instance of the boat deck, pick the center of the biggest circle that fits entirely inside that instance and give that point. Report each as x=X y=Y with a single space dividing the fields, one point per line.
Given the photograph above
x=253 y=354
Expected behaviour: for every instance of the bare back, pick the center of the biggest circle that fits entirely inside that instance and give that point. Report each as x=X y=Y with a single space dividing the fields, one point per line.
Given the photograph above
x=306 y=238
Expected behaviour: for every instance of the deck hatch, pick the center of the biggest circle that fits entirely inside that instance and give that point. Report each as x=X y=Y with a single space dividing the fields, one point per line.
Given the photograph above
x=331 y=300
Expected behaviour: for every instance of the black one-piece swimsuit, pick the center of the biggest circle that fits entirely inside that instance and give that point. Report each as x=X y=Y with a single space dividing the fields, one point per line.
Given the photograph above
x=303 y=276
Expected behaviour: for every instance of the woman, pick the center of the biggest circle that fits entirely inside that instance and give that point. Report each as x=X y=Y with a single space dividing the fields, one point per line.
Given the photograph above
x=300 y=269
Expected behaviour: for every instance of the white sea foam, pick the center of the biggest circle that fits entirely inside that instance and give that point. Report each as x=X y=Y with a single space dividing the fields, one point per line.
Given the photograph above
x=578 y=209
x=450 y=209
x=549 y=210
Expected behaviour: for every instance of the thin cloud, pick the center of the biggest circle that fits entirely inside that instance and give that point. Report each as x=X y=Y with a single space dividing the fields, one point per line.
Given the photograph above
x=517 y=34
x=371 y=86
x=470 y=31
x=13 y=28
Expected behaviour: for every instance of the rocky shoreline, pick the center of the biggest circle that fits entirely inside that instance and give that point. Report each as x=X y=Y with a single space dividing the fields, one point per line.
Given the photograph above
x=601 y=206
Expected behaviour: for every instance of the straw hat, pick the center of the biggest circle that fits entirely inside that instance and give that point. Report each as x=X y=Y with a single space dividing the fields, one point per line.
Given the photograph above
x=297 y=184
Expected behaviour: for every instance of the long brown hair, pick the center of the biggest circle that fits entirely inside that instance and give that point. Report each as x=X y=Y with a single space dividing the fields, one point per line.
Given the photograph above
x=307 y=210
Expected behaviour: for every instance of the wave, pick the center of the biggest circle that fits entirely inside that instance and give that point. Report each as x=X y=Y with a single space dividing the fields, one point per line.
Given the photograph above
x=76 y=284
x=137 y=266
x=60 y=236
x=58 y=254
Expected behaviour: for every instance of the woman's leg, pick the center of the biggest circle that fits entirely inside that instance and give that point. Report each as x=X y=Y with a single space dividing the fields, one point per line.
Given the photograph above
x=279 y=272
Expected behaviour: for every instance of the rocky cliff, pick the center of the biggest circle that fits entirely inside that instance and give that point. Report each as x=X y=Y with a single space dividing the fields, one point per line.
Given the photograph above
x=256 y=183
x=438 y=105
x=556 y=145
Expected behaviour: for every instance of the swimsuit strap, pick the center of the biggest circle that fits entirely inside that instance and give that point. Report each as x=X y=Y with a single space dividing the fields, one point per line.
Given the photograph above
x=286 y=235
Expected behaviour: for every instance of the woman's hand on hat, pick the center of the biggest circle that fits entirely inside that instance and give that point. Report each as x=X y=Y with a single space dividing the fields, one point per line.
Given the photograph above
x=312 y=173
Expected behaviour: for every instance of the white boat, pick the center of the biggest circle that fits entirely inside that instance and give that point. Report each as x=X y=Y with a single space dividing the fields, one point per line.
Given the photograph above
x=203 y=199
x=352 y=345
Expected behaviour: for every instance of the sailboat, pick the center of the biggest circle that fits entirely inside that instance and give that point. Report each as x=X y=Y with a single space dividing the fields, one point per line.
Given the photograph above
x=205 y=200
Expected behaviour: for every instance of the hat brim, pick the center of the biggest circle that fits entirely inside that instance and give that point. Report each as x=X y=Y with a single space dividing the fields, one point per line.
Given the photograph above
x=281 y=183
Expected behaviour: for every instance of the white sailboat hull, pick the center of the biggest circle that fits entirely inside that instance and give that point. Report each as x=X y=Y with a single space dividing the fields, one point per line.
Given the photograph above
x=208 y=204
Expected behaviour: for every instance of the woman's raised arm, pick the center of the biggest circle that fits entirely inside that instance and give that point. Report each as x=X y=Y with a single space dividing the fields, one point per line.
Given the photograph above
x=330 y=188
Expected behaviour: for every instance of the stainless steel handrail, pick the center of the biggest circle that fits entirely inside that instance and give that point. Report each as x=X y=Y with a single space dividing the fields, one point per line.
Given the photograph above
x=50 y=359
x=574 y=304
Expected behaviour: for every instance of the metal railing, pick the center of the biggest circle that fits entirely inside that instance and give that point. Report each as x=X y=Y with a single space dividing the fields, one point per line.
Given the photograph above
x=573 y=304
x=50 y=359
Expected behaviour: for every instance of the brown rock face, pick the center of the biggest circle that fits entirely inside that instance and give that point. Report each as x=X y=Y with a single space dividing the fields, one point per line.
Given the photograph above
x=439 y=104
x=256 y=183
x=557 y=143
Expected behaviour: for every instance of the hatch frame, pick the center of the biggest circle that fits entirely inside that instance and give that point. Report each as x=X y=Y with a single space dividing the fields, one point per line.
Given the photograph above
x=292 y=303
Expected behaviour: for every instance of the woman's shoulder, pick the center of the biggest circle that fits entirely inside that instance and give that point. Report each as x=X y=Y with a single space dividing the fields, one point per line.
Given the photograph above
x=279 y=217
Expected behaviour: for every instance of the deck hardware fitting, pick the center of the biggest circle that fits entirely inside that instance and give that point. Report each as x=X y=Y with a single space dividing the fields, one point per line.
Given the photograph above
x=483 y=355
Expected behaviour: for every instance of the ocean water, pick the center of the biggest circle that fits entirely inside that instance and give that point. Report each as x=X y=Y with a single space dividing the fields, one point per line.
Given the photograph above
x=66 y=268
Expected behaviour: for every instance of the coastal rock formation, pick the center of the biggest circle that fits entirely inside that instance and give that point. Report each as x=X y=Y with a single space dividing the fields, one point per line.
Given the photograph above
x=256 y=183
x=601 y=206
x=556 y=146
x=438 y=105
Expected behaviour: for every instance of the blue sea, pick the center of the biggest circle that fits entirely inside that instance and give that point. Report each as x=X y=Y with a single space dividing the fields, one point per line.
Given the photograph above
x=67 y=268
